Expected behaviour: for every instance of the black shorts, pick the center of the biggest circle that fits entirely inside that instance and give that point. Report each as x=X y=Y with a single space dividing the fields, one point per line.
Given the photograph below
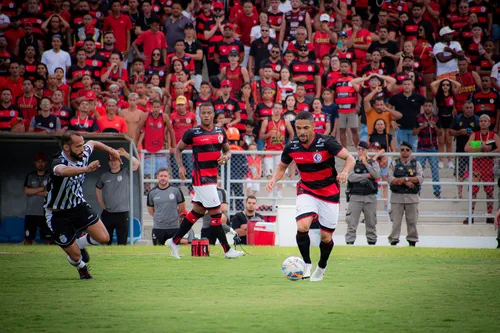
x=32 y=223
x=461 y=166
x=160 y=236
x=211 y=236
x=446 y=122
x=67 y=224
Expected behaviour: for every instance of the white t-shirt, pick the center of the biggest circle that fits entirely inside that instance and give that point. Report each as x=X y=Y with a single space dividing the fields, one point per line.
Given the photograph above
x=495 y=72
x=283 y=7
x=255 y=32
x=450 y=66
x=54 y=60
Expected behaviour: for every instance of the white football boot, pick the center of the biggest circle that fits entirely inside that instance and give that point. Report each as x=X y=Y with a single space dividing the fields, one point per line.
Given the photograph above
x=174 y=248
x=307 y=271
x=318 y=274
x=233 y=254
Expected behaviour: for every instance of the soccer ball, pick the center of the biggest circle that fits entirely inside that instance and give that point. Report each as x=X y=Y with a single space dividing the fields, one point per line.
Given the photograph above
x=293 y=268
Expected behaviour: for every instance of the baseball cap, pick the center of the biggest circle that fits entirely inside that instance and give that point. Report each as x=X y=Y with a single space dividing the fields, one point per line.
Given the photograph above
x=228 y=25
x=226 y=83
x=189 y=26
x=89 y=29
x=363 y=144
x=218 y=5
x=324 y=18
x=375 y=145
x=234 y=53
x=90 y=96
x=181 y=100
x=343 y=34
x=405 y=144
x=40 y=156
x=445 y=31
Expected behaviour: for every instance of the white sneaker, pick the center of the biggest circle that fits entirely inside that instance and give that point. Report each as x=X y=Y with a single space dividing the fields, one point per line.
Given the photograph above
x=451 y=165
x=174 y=248
x=307 y=271
x=441 y=165
x=233 y=254
x=318 y=274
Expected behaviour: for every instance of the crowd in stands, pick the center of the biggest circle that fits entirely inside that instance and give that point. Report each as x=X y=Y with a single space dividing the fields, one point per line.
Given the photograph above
x=366 y=69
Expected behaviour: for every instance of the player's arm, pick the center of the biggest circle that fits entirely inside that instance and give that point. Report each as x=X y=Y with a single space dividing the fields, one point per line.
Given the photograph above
x=279 y=173
x=96 y=145
x=178 y=159
x=226 y=154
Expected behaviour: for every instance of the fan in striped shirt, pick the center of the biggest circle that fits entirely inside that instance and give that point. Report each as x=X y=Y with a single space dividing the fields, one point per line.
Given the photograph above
x=66 y=211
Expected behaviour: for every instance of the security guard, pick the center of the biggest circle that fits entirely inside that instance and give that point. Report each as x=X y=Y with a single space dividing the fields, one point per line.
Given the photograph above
x=405 y=178
x=362 y=191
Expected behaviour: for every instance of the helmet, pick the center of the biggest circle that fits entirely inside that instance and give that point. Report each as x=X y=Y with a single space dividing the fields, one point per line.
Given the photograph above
x=233 y=134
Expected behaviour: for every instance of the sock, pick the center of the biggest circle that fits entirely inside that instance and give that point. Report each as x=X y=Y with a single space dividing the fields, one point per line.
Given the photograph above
x=186 y=225
x=325 y=249
x=78 y=264
x=303 y=242
x=216 y=225
x=85 y=241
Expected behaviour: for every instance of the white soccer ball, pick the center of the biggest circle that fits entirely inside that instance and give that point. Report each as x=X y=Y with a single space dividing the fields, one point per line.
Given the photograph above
x=293 y=268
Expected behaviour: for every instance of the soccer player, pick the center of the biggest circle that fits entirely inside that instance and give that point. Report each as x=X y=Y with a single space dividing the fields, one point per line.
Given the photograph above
x=66 y=211
x=318 y=191
x=206 y=140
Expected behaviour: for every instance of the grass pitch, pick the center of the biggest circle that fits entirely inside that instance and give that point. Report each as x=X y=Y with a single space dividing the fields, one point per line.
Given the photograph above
x=142 y=289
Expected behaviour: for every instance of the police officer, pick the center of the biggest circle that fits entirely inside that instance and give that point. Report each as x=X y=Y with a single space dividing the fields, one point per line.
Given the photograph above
x=405 y=178
x=362 y=189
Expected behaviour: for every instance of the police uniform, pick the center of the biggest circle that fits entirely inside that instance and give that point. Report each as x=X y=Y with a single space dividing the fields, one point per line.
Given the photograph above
x=404 y=200
x=362 y=191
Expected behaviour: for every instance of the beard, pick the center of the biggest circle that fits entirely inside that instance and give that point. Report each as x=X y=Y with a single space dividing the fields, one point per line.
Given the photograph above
x=76 y=156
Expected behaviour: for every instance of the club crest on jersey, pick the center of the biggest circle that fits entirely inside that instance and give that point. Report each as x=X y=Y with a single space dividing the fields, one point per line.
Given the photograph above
x=282 y=128
x=12 y=113
x=317 y=158
x=220 y=138
x=119 y=178
x=278 y=68
x=171 y=196
x=162 y=73
x=188 y=121
x=63 y=239
x=301 y=18
x=492 y=101
x=309 y=68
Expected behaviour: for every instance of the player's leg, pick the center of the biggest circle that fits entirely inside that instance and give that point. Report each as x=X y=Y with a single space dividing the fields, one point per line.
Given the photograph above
x=306 y=212
x=186 y=225
x=328 y=213
x=75 y=258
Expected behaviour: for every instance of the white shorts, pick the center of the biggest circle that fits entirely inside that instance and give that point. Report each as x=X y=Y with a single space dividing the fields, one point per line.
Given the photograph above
x=270 y=164
x=207 y=196
x=253 y=185
x=327 y=212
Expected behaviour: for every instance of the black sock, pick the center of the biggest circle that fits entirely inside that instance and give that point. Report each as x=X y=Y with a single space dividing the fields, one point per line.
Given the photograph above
x=325 y=249
x=221 y=236
x=303 y=242
x=183 y=229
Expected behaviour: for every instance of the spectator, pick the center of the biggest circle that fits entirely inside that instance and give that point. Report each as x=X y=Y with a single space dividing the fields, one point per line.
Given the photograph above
x=484 y=141
x=34 y=188
x=228 y=105
x=324 y=39
x=146 y=19
x=150 y=40
x=28 y=40
x=378 y=110
x=173 y=27
x=487 y=102
x=30 y=62
x=14 y=82
x=428 y=129
x=297 y=17
x=28 y=102
x=194 y=49
x=56 y=57
x=214 y=33
x=275 y=17
x=83 y=122
x=134 y=117
x=322 y=124
x=360 y=39
x=423 y=50
x=244 y=98
x=56 y=25
x=346 y=97
x=463 y=125
x=109 y=45
x=234 y=72
x=390 y=31
x=8 y=111
x=76 y=72
x=94 y=59
x=180 y=53
x=285 y=86
x=60 y=110
x=254 y=170
x=225 y=46
x=266 y=82
x=111 y=122
x=301 y=41
x=239 y=222
x=306 y=71
x=405 y=178
x=113 y=192
x=255 y=33
x=264 y=51
x=45 y=121
x=244 y=23
x=487 y=60
x=495 y=76
x=330 y=109
x=121 y=26
x=166 y=205
x=409 y=104
x=447 y=52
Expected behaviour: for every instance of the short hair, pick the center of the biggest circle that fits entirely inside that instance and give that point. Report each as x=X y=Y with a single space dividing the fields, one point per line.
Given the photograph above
x=207 y=105
x=251 y=196
x=133 y=95
x=379 y=99
x=66 y=138
x=418 y=5
x=154 y=19
x=113 y=86
x=468 y=102
x=155 y=101
x=161 y=170
x=385 y=28
x=345 y=61
x=7 y=89
x=429 y=101
x=204 y=83
x=268 y=67
x=120 y=55
x=485 y=116
x=304 y=115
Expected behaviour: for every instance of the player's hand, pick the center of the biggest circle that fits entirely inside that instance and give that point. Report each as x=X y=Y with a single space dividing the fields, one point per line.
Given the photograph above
x=93 y=166
x=342 y=177
x=222 y=159
x=270 y=185
x=182 y=172
x=116 y=154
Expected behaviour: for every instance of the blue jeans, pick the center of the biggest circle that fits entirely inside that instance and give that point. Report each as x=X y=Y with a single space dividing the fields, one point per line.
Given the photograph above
x=434 y=163
x=406 y=135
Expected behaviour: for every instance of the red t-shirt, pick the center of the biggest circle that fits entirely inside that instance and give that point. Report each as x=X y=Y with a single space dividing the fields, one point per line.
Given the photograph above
x=119 y=26
x=151 y=41
x=181 y=124
x=15 y=87
x=245 y=25
x=115 y=125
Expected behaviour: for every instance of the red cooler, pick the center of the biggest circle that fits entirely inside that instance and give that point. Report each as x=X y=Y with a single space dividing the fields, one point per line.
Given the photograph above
x=263 y=234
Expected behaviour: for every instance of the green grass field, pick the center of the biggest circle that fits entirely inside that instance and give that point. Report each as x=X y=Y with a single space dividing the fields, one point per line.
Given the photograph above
x=142 y=289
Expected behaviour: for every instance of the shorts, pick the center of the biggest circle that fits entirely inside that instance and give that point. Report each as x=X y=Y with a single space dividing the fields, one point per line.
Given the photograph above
x=32 y=223
x=327 y=212
x=206 y=196
x=67 y=224
x=461 y=166
x=160 y=236
x=253 y=185
x=348 y=120
x=211 y=236
x=446 y=121
x=270 y=164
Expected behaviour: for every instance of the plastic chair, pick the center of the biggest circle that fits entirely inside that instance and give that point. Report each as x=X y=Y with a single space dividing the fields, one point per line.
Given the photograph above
x=12 y=230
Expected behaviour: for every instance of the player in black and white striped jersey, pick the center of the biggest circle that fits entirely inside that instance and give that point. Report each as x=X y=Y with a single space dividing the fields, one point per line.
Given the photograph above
x=66 y=211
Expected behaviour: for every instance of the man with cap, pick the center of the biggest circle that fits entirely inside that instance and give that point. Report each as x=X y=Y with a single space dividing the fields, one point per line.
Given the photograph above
x=405 y=178
x=228 y=104
x=113 y=192
x=306 y=71
x=447 y=53
x=224 y=47
x=56 y=57
x=324 y=39
x=361 y=194
x=34 y=188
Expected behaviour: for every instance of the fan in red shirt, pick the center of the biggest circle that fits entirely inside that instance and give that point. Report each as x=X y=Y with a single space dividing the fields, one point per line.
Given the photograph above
x=156 y=130
x=14 y=82
x=28 y=102
x=180 y=54
x=121 y=25
x=150 y=40
x=244 y=23
x=111 y=122
x=182 y=119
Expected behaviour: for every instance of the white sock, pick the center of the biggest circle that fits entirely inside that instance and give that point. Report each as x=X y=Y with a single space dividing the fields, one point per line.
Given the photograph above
x=85 y=241
x=78 y=264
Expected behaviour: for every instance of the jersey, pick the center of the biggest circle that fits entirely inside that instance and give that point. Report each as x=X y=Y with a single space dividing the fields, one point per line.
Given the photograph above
x=66 y=192
x=154 y=133
x=277 y=142
x=320 y=121
x=316 y=164
x=309 y=69
x=206 y=147
x=345 y=95
x=487 y=103
x=293 y=21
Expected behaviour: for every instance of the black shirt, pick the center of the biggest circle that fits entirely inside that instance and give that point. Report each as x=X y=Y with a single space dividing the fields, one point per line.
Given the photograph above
x=409 y=108
x=241 y=218
x=461 y=122
x=391 y=47
x=260 y=51
x=192 y=49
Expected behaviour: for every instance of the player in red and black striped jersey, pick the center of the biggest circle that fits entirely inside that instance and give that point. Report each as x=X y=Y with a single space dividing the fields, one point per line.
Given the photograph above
x=318 y=191
x=8 y=111
x=207 y=141
x=225 y=46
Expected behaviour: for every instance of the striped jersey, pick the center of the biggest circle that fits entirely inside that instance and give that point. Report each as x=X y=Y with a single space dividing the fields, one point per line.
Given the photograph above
x=206 y=147
x=316 y=164
x=66 y=192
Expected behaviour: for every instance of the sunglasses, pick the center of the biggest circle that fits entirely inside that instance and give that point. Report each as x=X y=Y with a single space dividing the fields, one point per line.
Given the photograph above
x=405 y=149
x=156 y=54
x=264 y=30
x=275 y=51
